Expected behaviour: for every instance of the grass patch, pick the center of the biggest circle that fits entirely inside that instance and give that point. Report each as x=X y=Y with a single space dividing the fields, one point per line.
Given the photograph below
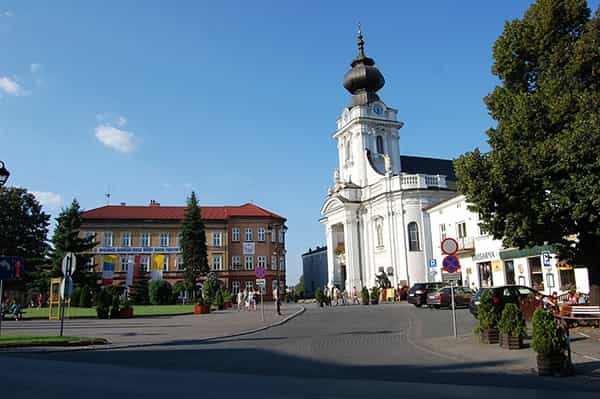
x=138 y=311
x=15 y=341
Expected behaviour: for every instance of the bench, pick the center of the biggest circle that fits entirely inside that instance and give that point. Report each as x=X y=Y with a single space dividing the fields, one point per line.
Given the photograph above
x=582 y=313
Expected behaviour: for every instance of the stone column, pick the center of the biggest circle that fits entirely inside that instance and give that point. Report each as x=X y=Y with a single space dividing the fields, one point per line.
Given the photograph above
x=330 y=255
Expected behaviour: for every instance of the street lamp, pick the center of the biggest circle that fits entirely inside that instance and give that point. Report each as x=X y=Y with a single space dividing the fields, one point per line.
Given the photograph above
x=4 y=173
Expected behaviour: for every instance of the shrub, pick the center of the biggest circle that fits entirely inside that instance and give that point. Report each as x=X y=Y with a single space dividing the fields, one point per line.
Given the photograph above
x=85 y=299
x=319 y=297
x=210 y=288
x=160 y=292
x=375 y=294
x=219 y=300
x=227 y=296
x=487 y=317
x=178 y=290
x=103 y=302
x=364 y=296
x=512 y=322
x=547 y=337
x=139 y=292
x=76 y=296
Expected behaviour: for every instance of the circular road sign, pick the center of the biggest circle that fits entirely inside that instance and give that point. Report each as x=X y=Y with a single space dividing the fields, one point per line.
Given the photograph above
x=68 y=264
x=451 y=264
x=449 y=246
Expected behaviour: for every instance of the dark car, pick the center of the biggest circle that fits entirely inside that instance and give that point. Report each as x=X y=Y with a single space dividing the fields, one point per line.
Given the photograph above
x=417 y=295
x=442 y=298
x=526 y=298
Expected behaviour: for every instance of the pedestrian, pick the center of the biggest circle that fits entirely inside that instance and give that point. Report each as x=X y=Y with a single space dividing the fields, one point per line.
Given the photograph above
x=335 y=295
x=246 y=299
x=253 y=300
x=354 y=296
x=277 y=300
x=240 y=300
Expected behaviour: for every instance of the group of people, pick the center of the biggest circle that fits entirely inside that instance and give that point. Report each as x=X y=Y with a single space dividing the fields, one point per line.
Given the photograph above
x=337 y=297
x=247 y=299
x=12 y=309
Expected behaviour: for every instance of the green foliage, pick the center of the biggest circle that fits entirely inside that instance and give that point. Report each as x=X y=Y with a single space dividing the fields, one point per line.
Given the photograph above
x=226 y=295
x=76 y=297
x=319 y=296
x=547 y=338
x=299 y=288
x=364 y=296
x=85 y=300
x=193 y=244
x=487 y=314
x=210 y=288
x=160 y=292
x=178 y=289
x=512 y=321
x=103 y=302
x=139 y=292
x=23 y=231
x=375 y=294
x=219 y=300
x=540 y=181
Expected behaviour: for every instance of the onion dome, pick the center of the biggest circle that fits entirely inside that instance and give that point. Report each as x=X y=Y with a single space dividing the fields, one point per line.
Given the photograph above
x=364 y=79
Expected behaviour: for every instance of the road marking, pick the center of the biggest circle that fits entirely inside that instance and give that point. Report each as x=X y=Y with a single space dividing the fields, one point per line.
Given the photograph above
x=585 y=335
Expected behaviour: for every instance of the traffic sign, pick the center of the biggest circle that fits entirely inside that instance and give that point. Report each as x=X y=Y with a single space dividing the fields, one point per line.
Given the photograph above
x=451 y=264
x=261 y=282
x=261 y=272
x=68 y=264
x=66 y=287
x=449 y=246
x=432 y=263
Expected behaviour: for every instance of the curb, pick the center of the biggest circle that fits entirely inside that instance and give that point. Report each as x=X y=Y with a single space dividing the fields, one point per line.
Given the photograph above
x=126 y=346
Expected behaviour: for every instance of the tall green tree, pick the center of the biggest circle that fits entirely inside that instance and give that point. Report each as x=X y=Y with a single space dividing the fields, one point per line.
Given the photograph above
x=67 y=238
x=23 y=232
x=540 y=181
x=193 y=244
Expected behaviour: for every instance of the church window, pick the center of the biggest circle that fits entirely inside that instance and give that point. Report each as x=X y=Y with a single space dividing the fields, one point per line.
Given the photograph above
x=413 y=237
x=347 y=149
x=379 y=231
x=379 y=145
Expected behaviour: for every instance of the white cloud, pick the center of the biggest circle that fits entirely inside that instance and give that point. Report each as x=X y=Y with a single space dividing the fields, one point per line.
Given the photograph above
x=50 y=200
x=7 y=14
x=10 y=86
x=116 y=139
x=121 y=121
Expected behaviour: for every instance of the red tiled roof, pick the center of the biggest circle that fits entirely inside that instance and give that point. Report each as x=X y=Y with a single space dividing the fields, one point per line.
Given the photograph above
x=157 y=212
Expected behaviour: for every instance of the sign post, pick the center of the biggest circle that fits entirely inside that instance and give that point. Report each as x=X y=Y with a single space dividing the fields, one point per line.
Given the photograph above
x=68 y=268
x=453 y=308
x=451 y=264
x=262 y=283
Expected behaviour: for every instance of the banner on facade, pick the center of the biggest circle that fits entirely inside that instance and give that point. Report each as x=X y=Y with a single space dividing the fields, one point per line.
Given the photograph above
x=108 y=269
x=248 y=248
x=156 y=272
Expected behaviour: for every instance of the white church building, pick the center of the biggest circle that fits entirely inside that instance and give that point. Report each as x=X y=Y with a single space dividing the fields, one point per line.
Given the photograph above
x=374 y=214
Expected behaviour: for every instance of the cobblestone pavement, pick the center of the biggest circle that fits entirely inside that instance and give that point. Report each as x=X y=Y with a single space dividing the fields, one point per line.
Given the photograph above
x=338 y=352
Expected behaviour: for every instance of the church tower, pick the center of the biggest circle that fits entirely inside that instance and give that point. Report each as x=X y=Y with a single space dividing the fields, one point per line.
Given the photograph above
x=368 y=130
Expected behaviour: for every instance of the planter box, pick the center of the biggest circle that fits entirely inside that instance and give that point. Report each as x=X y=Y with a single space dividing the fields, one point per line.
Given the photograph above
x=509 y=342
x=126 y=313
x=201 y=309
x=228 y=305
x=549 y=365
x=489 y=336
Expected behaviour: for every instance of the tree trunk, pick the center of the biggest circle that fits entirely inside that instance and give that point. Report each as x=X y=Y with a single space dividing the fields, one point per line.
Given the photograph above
x=594 y=279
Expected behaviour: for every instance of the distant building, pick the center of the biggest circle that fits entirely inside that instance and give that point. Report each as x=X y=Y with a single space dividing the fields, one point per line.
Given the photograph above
x=314 y=270
x=239 y=239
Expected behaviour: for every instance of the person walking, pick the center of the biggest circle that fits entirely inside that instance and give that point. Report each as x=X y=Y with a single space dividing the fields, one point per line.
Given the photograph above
x=240 y=300
x=277 y=300
x=354 y=296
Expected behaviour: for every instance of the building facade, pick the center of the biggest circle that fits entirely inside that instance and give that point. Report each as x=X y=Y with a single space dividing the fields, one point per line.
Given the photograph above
x=373 y=214
x=486 y=263
x=314 y=270
x=239 y=239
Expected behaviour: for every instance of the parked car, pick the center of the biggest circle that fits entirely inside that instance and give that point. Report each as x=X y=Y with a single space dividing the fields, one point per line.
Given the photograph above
x=417 y=295
x=442 y=298
x=526 y=298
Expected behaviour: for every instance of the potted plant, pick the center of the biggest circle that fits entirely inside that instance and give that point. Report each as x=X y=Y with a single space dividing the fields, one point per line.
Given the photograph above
x=202 y=306
x=364 y=296
x=374 y=295
x=227 y=299
x=511 y=327
x=550 y=343
x=320 y=298
x=126 y=311
x=219 y=300
x=487 y=320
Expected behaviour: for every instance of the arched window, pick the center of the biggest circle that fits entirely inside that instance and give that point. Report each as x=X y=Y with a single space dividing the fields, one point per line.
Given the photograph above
x=347 y=149
x=380 y=145
x=413 y=237
x=379 y=231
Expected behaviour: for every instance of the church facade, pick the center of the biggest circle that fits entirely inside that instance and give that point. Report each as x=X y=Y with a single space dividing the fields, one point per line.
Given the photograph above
x=374 y=214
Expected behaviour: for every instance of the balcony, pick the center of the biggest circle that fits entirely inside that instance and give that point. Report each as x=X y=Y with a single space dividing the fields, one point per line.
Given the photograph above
x=421 y=181
x=466 y=244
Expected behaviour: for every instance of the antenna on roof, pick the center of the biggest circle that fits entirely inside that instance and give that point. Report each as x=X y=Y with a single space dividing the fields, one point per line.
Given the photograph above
x=107 y=195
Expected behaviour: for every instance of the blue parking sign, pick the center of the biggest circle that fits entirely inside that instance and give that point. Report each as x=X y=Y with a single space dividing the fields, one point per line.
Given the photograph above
x=432 y=263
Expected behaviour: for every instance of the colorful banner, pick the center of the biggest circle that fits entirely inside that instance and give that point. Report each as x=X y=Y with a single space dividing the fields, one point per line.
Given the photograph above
x=156 y=272
x=108 y=269
x=130 y=271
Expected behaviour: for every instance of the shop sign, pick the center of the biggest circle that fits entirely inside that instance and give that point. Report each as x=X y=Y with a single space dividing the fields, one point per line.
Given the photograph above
x=496 y=266
x=483 y=256
x=546 y=258
x=137 y=250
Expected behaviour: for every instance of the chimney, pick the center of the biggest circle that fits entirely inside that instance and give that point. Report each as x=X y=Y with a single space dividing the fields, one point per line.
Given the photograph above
x=154 y=203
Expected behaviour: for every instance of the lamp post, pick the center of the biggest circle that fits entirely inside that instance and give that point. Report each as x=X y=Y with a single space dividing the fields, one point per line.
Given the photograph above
x=4 y=174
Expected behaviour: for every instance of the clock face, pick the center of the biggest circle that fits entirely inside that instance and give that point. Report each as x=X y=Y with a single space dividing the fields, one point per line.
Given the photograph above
x=378 y=110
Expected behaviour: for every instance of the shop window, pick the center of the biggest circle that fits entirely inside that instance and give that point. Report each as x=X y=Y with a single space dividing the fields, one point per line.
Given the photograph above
x=509 y=268
x=485 y=275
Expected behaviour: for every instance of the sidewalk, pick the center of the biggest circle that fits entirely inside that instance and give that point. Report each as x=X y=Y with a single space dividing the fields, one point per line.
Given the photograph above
x=163 y=330
x=467 y=348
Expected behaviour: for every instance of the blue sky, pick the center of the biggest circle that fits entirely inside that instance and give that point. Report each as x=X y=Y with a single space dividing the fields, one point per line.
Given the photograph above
x=236 y=100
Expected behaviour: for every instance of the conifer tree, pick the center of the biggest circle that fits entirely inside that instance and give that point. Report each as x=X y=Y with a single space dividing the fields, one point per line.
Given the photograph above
x=193 y=244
